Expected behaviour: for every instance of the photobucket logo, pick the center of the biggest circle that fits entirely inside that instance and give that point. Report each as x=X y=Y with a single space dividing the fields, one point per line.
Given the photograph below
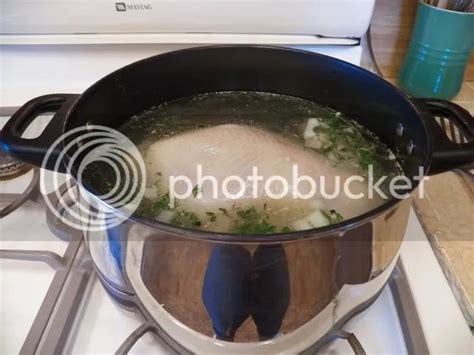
x=78 y=149
x=235 y=187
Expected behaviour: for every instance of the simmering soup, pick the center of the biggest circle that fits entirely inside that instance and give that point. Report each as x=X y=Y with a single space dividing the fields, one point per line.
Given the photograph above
x=245 y=162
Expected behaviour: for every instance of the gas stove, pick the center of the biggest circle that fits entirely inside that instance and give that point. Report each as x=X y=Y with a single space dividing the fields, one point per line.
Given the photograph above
x=51 y=298
x=53 y=301
x=45 y=265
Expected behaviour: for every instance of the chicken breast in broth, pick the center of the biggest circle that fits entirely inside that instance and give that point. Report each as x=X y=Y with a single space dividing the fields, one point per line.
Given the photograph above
x=255 y=163
x=232 y=150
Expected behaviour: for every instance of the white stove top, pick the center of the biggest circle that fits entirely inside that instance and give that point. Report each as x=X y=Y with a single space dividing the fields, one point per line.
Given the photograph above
x=32 y=70
x=378 y=329
x=100 y=324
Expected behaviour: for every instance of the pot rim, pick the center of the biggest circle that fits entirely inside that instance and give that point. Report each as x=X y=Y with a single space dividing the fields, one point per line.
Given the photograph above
x=315 y=233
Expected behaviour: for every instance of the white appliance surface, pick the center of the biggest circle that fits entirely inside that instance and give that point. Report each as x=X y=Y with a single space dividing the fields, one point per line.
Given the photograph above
x=30 y=70
x=444 y=326
x=330 y=18
x=104 y=325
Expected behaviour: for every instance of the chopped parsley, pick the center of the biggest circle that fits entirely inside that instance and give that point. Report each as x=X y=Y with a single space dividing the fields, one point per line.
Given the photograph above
x=224 y=211
x=260 y=227
x=332 y=216
x=250 y=221
x=152 y=208
x=343 y=140
x=212 y=216
x=248 y=214
x=185 y=219
x=195 y=191
x=247 y=221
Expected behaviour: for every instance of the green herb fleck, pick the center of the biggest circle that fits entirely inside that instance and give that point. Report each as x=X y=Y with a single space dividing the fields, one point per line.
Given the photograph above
x=151 y=208
x=252 y=222
x=212 y=216
x=344 y=140
x=332 y=216
x=195 y=190
x=185 y=219
x=224 y=211
x=248 y=214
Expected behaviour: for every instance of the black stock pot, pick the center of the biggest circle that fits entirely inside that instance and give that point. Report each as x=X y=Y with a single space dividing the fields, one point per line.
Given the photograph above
x=301 y=286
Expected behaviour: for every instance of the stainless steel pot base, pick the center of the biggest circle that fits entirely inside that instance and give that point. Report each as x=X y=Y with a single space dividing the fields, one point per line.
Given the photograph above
x=335 y=333
x=124 y=299
x=347 y=301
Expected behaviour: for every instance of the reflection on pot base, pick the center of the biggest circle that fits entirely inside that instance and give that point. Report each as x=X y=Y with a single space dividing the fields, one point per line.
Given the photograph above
x=228 y=290
x=251 y=292
x=175 y=273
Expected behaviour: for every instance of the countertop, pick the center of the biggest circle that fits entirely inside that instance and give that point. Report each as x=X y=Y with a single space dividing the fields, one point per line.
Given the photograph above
x=447 y=215
x=447 y=211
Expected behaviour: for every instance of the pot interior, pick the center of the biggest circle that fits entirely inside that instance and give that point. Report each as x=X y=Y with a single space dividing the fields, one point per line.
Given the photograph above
x=366 y=98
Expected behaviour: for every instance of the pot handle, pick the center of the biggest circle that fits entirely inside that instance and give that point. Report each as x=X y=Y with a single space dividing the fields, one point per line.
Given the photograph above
x=32 y=151
x=448 y=155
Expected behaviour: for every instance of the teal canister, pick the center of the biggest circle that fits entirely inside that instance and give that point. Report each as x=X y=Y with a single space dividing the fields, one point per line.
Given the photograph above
x=438 y=54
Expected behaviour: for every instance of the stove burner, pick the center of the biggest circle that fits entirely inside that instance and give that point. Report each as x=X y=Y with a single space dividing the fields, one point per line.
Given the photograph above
x=15 y=200
x=11 y=168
